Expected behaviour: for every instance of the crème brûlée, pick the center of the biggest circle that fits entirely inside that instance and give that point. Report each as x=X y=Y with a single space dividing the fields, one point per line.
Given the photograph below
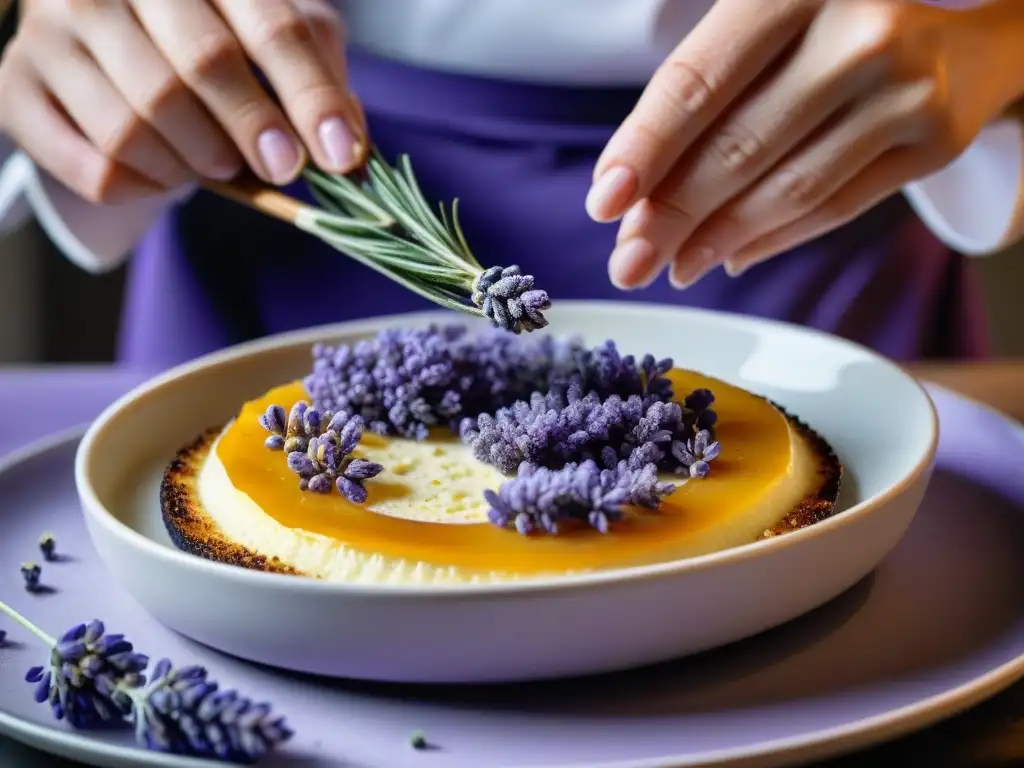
x=425 y=519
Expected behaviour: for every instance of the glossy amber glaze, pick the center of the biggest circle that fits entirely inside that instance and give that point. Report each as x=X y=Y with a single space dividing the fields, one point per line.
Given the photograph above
x=755 y=455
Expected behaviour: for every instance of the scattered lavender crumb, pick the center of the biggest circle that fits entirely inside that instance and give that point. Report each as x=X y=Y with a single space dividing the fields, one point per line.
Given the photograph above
x=418 y=740
x=31 y=573
x=48 y=546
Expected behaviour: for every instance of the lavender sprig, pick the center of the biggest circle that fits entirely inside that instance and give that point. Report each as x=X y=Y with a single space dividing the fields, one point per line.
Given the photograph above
x=95 y=680
x=88 y=676
x=381 y=218
x=541 y=499
x=319 y=446
x=181 y=711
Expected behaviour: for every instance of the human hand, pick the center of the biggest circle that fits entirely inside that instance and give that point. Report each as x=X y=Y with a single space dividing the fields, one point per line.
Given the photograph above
x=774 y=123
x=125 y=98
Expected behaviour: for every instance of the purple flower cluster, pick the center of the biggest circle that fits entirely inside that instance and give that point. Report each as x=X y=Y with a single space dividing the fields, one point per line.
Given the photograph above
x=183 y=712
x=87 y=675
x=319 y=447
x=406 y=381
x=508 y=299
x=554 y=429
x=543 y=404
x=542 y=499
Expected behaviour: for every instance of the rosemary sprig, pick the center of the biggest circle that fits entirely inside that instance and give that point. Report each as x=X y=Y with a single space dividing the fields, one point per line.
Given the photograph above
x=381 y=219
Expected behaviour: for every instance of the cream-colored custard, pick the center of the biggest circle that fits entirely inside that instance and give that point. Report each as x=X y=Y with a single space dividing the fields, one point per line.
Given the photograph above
x=443 y=485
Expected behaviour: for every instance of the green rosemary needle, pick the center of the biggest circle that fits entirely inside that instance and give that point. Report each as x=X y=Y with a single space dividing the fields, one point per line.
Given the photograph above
x=381 y=218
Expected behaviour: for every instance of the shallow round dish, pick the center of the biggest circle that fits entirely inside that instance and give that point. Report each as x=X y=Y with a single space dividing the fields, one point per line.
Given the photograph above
x=880 y=422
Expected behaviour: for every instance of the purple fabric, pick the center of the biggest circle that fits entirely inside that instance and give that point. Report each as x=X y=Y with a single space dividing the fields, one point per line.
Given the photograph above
x=520 y=158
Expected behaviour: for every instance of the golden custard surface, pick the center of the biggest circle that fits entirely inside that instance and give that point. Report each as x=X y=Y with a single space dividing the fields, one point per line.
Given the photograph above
x=756 y=456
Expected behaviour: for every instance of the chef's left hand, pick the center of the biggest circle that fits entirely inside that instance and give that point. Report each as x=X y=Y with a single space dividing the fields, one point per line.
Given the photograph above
x=773 y=123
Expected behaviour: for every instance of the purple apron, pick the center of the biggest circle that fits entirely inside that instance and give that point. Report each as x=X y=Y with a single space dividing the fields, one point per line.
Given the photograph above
x=520 y=157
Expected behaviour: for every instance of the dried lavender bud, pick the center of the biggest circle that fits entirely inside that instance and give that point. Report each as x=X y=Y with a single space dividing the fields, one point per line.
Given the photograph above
x=3 y=637
x=655 y=383
x=89 y=677
x=508 y=299
x=296 y=438
x=418 y=740
x=48 y=546
x=301 y=464
x=699 y=400
x=542 y=499
x=694 y=455
x=274 y=420
x=183 y=712
x=31 y=573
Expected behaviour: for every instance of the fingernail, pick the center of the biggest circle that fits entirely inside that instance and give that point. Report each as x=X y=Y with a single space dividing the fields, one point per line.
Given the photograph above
x=734 y=268
x=610 y=194
x=630 y=263
x=279 y=154
x=633 y=222
x=225 y=172
x=338 y=144
x=690 y=266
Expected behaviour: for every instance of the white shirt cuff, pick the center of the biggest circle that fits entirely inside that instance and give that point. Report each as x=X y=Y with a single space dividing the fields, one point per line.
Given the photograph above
x=97 y=238
x=975 y=204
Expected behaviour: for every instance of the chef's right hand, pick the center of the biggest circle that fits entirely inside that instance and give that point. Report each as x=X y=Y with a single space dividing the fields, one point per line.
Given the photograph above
x=120 y=99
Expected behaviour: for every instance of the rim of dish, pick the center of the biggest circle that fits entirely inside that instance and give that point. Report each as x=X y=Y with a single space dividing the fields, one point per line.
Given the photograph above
x=93 y=508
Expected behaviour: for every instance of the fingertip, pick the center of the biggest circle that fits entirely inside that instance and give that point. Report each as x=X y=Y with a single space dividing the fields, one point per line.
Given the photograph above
x=281 y=156
x=612 y=194
x=339 y=145
x=224 y=170
x=691 y=264
x=631 y=264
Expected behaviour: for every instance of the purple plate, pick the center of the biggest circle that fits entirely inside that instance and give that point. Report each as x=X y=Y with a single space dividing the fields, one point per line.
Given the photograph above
x=935 y=629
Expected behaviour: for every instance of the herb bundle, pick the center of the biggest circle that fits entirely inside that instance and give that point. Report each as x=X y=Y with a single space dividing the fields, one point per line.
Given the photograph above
x=380 y=217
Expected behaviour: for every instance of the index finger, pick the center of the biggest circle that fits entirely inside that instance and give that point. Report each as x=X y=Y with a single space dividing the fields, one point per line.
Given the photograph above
x=734 y=42
x=278 y=37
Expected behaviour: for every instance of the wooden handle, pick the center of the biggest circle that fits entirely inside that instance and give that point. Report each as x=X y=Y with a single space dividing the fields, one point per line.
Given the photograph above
x=252 y=192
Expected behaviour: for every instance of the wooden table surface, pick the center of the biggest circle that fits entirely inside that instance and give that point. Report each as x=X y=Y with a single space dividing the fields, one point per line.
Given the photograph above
x=991 y=735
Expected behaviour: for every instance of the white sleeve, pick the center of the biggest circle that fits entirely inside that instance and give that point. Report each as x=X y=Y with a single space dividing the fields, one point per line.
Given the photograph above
x=97 y=238
x=976 y=203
